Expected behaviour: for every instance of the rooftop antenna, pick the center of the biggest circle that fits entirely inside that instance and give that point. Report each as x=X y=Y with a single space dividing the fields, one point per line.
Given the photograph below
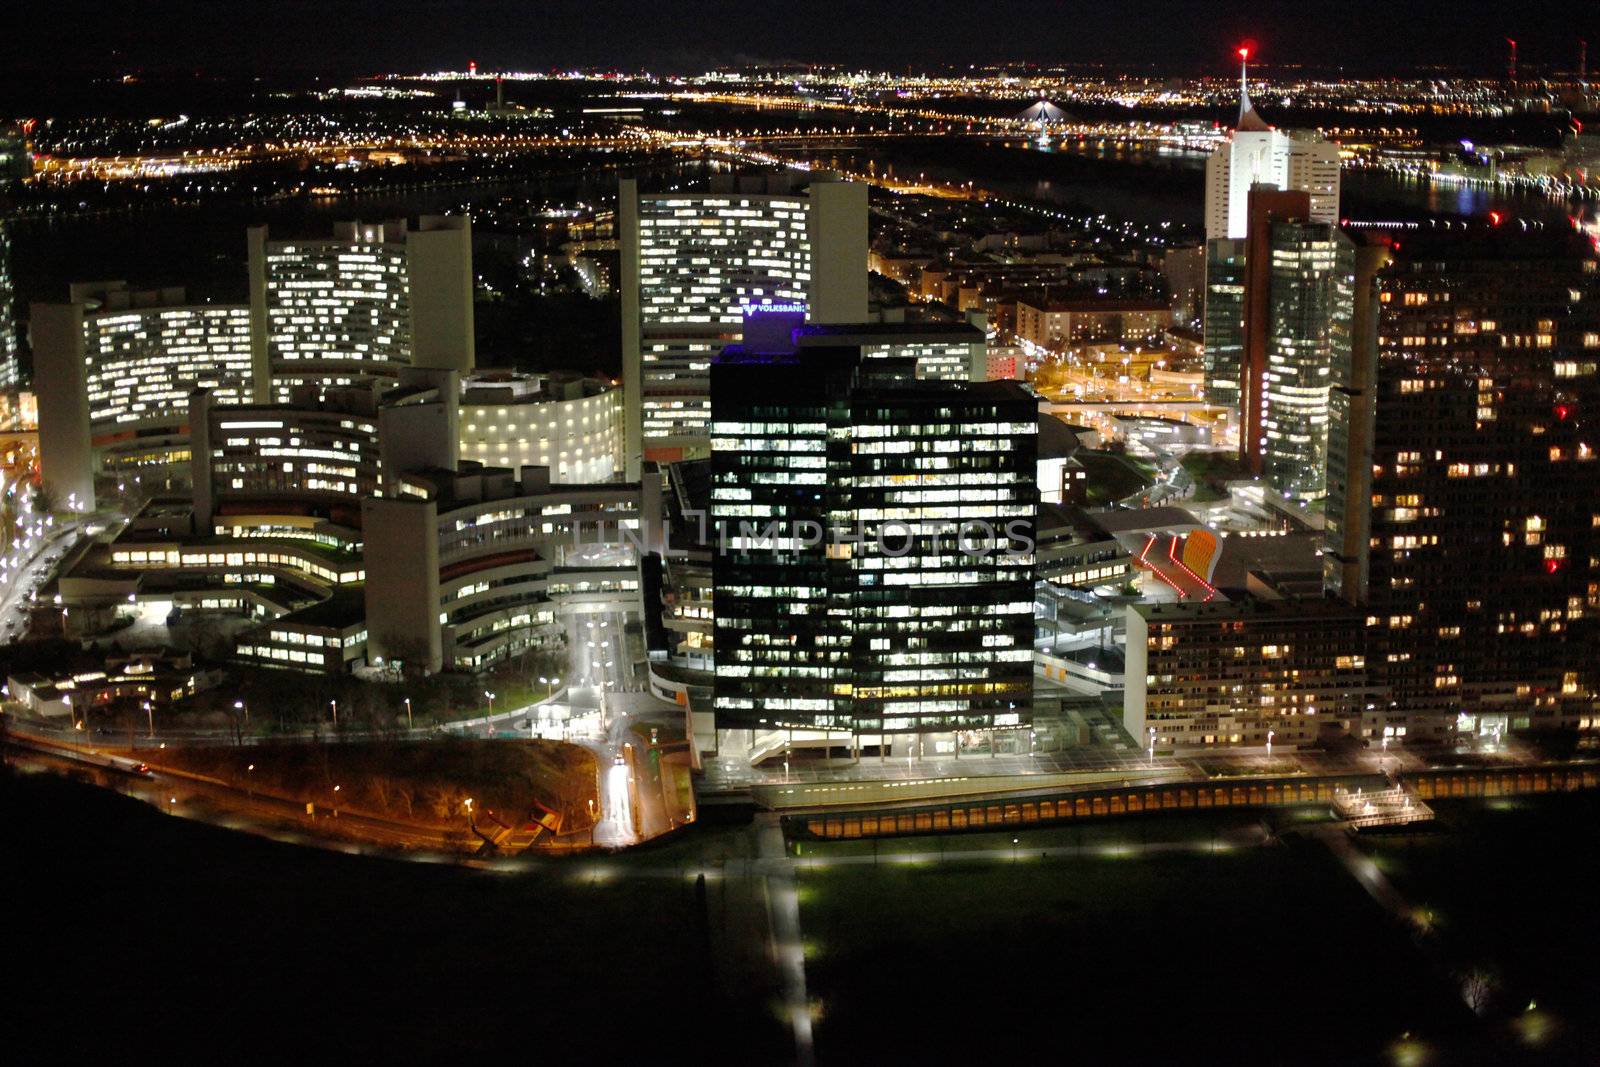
x=1248 y=118
x=1511 y=62
x=1583 y=60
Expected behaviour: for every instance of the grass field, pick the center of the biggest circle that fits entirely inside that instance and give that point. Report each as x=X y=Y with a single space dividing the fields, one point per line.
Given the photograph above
x=153 y=937
x=1249 y=955
x=1503 y=896
x=1113 y=477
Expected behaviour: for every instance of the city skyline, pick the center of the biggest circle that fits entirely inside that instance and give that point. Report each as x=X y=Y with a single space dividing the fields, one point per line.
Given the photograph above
x=369 y=37
x=694 y=553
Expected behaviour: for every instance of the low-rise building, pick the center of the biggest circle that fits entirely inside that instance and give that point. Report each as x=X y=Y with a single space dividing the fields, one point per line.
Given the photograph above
x=1246 y=672
x=152 y=677
x=1064 y=323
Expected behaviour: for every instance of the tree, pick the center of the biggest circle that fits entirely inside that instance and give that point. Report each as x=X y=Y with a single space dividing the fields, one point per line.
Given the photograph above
x=1478 y=985
x=412 y=655
x=44 y=499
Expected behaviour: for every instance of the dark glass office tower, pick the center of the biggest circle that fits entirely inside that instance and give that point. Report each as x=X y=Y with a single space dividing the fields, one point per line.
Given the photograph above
x=1224 y=322
x=893 y=591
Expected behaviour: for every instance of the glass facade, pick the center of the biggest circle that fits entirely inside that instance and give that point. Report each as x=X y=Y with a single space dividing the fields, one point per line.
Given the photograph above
x=10 y=371
x=873 y=564
x=1312 y=278
x=1224 y=323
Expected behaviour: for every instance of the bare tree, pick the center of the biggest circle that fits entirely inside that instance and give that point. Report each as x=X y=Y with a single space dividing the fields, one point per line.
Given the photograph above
x=1478 y=985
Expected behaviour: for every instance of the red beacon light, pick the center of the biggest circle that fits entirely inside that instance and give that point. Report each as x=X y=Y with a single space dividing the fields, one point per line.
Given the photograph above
x=1562 y=411
x=1552 y=565
x=1244 y=51
x=1495 y=218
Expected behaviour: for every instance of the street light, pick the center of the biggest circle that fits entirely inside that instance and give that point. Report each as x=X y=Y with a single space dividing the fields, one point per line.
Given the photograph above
x=150 y=714
x=336 y=801
x=491 y=702
x=1270 y=735
x=334 y=704
x=408 y=713
x=1152 y=746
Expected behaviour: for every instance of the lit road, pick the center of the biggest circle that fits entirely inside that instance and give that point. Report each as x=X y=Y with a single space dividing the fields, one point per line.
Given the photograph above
x=615 y=828
x=27 y=567
x=210 y=800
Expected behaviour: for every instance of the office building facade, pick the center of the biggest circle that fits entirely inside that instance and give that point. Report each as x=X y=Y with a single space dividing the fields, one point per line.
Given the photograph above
x=10 y=367
x=1311 y=278
x=1256 y=155
x=846 y=598
x=1278 y=322
x=147 y=351
x=365 y=302
x=693 y=261
x=1230 y=673
x=1480 y=570
x=574 y=426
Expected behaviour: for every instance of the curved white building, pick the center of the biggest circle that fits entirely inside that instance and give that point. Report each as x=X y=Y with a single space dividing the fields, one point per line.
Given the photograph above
x=574 y=426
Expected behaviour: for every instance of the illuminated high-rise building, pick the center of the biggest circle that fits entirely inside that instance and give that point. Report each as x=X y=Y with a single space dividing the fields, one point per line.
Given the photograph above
x=873 y=562
x=367 y=301
x=1474 y=444
x=1256 y=154
x=129 y=374
x=1254 y=164
x=1277 y=324
x=16 y=163
x=1223 y=325
x=1308 y=334
x=10 y=369
x=693 y=261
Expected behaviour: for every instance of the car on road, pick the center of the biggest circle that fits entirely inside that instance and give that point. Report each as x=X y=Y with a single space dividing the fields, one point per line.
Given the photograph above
x=619 y=761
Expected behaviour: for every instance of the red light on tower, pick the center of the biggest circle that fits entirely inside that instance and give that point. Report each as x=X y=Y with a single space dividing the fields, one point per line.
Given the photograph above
x=472 y=68
x=1552 y=565
x=1495 y=218
x=1562 y=411
x=1244 y=52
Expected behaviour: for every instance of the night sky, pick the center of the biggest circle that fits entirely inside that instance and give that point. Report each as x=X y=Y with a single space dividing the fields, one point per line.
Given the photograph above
x=294 y=37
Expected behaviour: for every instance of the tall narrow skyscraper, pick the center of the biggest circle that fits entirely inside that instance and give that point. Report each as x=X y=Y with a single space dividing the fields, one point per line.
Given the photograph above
x=10 y=369
x=1310 y=275
x=1270 y=325
x=1277 y=326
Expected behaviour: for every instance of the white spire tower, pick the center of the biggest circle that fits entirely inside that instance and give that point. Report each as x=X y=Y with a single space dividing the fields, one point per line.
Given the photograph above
x=1257 y=154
